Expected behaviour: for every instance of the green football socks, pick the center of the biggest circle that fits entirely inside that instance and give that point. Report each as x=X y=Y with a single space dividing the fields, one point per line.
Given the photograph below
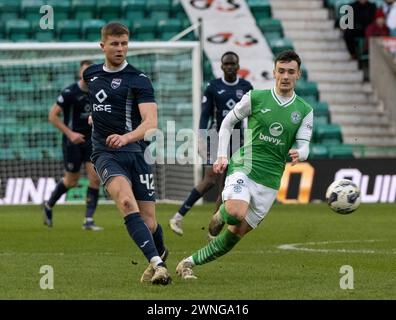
x=216 y=248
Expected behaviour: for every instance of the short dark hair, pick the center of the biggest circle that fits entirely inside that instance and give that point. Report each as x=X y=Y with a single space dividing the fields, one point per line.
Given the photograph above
x=287 y=56
x=114 y=29
x=83 y=62
x=229 y=53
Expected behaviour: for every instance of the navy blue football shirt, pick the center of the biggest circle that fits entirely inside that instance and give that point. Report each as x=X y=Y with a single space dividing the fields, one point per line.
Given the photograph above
x=114 y=97
x=220 y=97
x=76 y=108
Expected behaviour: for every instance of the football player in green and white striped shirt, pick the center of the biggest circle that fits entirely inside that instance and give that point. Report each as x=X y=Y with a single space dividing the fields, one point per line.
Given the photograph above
x=277 y=120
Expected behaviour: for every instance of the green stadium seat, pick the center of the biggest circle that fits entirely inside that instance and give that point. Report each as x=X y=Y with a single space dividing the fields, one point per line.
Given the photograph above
x=134 y=10
x=30 y=10
x=84 y=9
x=338 y=5
x=260 y=8
x=342 y=151
x=69 y=30
x=18 y=30
x=43 y=35
x=54 y=153
x=9 y=10
x=321 y=110
x=158 y=9
x=304 y=72
x=7 y=154
x=31 y=153
x=145 y=30
x=91 y=29
x=319 y=120
x=2 y=30
x=307 y=90
x=271 y=28
x=207 y=71
x=318 y=151
x=330 y=3
x=279 y=45
x=329 y=134
x=62 y=9
x=109 y=10
x=177 y=10
x=168 y=28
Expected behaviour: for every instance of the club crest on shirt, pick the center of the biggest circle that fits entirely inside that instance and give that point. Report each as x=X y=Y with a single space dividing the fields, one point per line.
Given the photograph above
x=239 y=94
x=115 y=83
x=295 y=117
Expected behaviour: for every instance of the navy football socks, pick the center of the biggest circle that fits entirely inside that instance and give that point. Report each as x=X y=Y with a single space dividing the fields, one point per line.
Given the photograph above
x=192 y=198
x=92 y=201
x=159 y=239
x=141 y=235
x=59 y=190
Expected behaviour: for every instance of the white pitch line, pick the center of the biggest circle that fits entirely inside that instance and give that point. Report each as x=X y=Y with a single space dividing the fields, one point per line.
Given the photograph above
x=296 y=247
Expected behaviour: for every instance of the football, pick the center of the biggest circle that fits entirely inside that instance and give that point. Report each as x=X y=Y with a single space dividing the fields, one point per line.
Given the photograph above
x=343 y=196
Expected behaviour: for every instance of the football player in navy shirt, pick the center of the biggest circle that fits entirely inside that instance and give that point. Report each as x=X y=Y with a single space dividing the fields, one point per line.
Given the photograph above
x=220 y=97
x=123 y=110
x=77 y=147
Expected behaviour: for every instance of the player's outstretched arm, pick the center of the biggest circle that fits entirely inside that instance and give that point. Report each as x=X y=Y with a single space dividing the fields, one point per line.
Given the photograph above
x=53 y=117
x=148 y=112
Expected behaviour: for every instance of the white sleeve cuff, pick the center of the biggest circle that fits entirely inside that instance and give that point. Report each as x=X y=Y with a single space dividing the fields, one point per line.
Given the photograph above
x=302 y=149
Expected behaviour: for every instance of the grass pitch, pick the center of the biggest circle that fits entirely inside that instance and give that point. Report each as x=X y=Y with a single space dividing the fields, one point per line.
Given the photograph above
x=296 y=253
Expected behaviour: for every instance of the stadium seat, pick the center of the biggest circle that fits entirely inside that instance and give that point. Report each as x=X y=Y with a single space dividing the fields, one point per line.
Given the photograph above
x=69 y=30
x=168 y=28
x=319 y=120
x=271 y=28
x=2 y=30
x=279 y=45
x=54 y=153
x=318 y=151
x=134 y=10
x=321 y=110
x=342 y=151
x=158 y=9
x=145 y=30
x=84 y=9
x=7 y=154
x=43 y=35
x=207 y=71
x=6 y=137
x=62 y=9
x=9 y=10
x=328 y=134
x=91 y=29
x=338 y=5
x=177 y=10
x=304 y=72
x=31 y=153
x=307 y=90
x=30 y=10
x=109 y=10
x=260 y=8
x=18 y=30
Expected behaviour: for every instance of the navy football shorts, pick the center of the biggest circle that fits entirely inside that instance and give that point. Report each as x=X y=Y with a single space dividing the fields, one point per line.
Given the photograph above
x=132 y=166
x=76 y=154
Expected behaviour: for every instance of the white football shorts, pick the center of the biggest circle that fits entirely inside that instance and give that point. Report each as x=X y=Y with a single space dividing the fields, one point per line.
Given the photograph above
x=238 y=186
